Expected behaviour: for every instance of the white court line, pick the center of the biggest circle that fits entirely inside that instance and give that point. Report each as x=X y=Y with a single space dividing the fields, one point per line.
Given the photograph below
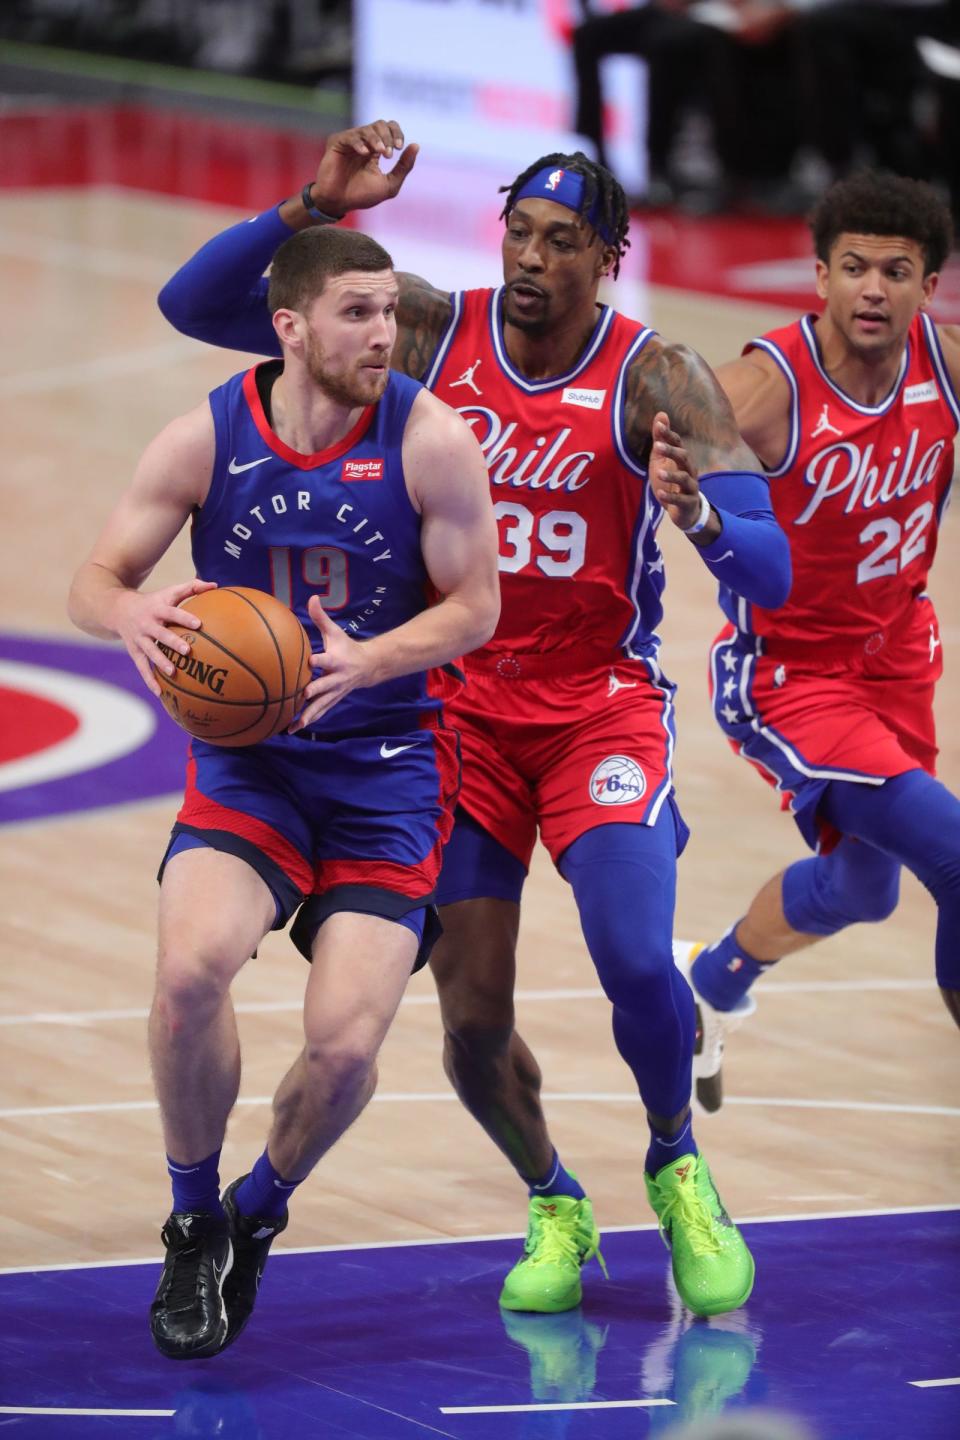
x=482 y=1239
x=60 y=1410
x=930 y=1384
x=535 y=1409
x=279 y=1007
x=447 y=1097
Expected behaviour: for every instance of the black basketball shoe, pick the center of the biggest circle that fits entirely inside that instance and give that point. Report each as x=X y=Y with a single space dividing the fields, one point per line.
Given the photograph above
x=188 y=1317
x=252 y=1236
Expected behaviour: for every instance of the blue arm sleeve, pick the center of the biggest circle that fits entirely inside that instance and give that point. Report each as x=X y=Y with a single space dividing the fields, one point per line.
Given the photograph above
x=751 y=555
x=220 y=294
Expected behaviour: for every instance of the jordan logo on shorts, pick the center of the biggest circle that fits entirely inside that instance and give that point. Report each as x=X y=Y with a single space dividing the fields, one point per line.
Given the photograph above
x=467 y=379
x=823 y=426
x=616 y=685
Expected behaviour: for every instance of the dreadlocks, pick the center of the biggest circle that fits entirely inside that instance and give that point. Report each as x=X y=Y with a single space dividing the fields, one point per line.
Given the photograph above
x=599 y=186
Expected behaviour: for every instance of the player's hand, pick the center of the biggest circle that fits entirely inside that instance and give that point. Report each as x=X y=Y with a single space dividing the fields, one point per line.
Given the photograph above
x=141 y=619
x=349 y=175
x=345 y=664
x=673 y=475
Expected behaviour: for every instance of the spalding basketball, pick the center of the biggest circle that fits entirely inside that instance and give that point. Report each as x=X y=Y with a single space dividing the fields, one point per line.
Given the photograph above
x=244 y=677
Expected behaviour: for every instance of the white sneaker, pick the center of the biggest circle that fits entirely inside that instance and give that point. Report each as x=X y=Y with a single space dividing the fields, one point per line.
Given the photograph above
x=713 y=1027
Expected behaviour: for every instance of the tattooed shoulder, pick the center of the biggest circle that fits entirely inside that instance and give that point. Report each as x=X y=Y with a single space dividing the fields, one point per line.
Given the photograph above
x=677 y=380
x=423 y=312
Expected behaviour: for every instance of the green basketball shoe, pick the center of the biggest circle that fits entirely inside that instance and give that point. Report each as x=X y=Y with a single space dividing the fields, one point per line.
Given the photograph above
x=712 y=1267
x=561 y=1237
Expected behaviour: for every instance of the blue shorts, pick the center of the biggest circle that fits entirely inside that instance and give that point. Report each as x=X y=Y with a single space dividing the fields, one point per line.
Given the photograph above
x=346 y=823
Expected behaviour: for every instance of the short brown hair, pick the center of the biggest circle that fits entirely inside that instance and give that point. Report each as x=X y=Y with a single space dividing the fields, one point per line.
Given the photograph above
x=877 y=202
x=304 y=263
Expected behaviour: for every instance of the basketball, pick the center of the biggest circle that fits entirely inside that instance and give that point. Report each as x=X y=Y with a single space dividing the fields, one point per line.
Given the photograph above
x=246 y=672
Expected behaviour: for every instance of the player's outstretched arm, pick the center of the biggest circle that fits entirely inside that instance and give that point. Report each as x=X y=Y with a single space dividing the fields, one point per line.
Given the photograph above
x=704 y=474
x=448 y=483
x=220 y=294
x=105 y=600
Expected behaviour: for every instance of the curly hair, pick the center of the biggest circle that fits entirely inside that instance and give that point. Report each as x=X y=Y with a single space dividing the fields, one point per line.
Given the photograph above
x=599 y=185
x=877 y=202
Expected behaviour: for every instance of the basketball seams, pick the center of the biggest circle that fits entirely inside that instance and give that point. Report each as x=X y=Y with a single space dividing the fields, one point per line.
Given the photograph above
x=231 y=590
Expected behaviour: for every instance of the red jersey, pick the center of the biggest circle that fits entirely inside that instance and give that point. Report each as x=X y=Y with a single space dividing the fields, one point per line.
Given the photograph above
x=580 y=568
x=860 y=493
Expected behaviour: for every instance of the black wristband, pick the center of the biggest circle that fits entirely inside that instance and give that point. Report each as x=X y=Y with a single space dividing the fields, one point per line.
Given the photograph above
x=312 y=210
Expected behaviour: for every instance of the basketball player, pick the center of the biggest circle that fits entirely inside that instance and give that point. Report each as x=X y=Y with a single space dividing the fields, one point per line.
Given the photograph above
x=854 y=414
x=342 y=488
x=567 y=722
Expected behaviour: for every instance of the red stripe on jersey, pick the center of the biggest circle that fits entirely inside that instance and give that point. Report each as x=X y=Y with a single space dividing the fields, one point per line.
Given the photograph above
x=293 y=457
x=203 y=813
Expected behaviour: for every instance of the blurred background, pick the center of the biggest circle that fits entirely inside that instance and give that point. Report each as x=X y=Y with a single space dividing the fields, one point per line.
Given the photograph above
x=709 y=107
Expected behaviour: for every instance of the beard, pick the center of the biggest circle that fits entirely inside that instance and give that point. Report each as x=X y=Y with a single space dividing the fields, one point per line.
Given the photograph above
x=350 y=388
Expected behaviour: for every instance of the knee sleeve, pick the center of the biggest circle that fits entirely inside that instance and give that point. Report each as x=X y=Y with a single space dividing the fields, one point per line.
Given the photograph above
x=853 y=884
x=915 y=820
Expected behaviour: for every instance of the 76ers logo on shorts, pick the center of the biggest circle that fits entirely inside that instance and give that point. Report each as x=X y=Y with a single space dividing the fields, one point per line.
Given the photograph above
x=618 y=780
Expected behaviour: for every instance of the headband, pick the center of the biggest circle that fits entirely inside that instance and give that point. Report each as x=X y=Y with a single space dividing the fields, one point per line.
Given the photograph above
x=565 y=187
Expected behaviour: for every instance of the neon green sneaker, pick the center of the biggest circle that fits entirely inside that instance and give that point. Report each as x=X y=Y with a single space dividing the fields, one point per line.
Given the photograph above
x=712 y=1267
x=561 y=1237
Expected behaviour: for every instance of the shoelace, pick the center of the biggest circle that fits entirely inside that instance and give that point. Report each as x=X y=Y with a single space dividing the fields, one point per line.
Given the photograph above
x=183 y=1287
x=685 y=1207
x=556 y=1241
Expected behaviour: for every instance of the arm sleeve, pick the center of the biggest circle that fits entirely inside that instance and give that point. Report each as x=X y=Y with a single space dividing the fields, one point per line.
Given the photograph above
x=220 y=294
x=751 y=555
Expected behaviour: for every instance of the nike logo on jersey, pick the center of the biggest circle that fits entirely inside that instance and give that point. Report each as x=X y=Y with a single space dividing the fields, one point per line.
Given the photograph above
x=823 y=426
x=236 y=469
x=387 y=750
x=725 y=556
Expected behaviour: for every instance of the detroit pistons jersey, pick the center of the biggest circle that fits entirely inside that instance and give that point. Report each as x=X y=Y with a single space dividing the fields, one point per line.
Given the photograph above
x=860 y=493
x=338 y=524
x=580 y=568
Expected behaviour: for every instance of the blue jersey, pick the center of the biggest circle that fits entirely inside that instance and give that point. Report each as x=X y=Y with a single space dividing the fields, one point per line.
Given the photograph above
x=337 y=524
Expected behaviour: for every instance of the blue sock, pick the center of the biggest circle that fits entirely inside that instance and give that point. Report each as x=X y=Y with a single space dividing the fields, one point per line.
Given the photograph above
x=264 y=1192
x=557 y=1181
x=664 y=1148
x=196 y=1188
x=724 y=972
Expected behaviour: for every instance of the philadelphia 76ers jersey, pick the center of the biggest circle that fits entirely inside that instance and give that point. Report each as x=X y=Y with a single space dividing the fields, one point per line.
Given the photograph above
x=337 y=524
x=860 y=493
x=580 y=568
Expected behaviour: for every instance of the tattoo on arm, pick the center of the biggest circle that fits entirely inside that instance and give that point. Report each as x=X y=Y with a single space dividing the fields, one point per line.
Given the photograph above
x=423 y=312
x=675 y=379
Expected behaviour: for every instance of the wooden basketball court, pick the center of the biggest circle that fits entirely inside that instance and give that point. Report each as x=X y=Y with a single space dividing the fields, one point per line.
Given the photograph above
x=843 y=1089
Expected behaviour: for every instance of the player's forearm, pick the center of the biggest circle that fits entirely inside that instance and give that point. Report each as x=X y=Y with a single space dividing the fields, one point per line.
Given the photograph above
x=93 y=599
x=446 y=631
x=220 y=295
x=751 y=554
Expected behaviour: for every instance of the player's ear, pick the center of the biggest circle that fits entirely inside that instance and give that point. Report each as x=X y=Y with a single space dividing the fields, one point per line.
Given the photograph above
x=823 y=271
x=289 y=325
x=605 y=261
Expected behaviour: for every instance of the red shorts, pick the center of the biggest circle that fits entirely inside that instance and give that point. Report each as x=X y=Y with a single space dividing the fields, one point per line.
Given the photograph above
x=548 y=745
x=805 y=716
